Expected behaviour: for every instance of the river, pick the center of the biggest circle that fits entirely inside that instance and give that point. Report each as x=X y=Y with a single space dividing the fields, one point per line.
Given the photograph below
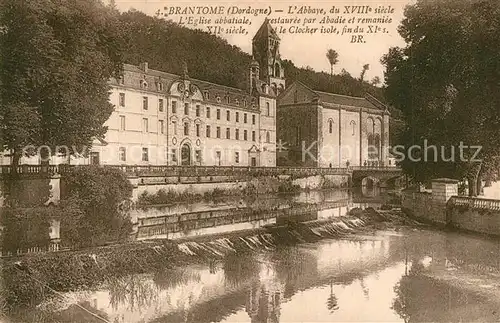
x=392 y=275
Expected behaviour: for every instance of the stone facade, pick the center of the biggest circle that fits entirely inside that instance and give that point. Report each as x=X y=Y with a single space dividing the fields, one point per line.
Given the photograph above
x=166 y=119
x=330 y=130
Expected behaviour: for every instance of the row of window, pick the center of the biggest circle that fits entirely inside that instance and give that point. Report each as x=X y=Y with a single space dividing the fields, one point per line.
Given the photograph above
x=122 y=155
x=208 y=134
x=145 y=125
x=145 y=106
x=353 y=126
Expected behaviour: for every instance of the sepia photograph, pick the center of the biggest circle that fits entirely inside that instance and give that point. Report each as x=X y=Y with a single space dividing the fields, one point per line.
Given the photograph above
x=250 y=161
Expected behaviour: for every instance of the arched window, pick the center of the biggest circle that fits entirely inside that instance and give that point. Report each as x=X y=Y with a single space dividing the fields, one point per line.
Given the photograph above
x=277 y=70
x=268 y=109
x=330 y=126
x=376 y=145
x=268 y=137
x=370 y=146
x=186 y=129
x=353 y=126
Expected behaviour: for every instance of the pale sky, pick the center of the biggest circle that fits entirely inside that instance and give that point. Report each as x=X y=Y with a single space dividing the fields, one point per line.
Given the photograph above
x=303 y=49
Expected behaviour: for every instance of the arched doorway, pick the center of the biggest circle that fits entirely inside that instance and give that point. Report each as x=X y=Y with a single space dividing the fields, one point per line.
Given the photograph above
x=185 y=155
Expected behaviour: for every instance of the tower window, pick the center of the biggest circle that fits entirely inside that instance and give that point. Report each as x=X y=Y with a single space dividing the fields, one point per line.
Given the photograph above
x=330 y=126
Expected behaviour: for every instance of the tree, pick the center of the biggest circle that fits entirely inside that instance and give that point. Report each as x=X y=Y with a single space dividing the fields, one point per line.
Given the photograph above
x=333 y=59
x=366 y=67
x=56 y=58
x=446 y=82
x=375 y=81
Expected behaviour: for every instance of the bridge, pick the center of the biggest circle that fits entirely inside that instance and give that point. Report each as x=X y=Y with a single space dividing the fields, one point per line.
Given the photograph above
x=375 y=176
x=361 y=175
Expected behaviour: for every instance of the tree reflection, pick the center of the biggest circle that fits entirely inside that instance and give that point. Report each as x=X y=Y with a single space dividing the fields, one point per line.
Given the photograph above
x=239 y=268
x=332 y=301
x=134 y=291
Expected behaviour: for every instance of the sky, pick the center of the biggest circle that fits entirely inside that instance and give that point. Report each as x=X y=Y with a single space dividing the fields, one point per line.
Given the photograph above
x=303 y=49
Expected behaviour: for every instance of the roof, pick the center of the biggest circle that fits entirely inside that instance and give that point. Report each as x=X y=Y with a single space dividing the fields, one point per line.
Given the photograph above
x=214 y=90
x=365 y=102
x=266 y=30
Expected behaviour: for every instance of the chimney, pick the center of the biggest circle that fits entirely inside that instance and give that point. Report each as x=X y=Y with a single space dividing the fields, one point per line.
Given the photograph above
x=144 y=67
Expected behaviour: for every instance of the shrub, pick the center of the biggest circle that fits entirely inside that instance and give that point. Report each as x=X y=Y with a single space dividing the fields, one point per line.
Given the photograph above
x=91 y=204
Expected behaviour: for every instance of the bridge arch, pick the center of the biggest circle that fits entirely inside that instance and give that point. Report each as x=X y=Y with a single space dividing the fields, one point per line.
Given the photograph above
x=370 y=181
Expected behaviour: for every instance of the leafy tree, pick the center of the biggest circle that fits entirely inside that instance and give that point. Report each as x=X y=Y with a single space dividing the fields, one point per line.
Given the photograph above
x=376 y=81
x=446 y=82
x=366 y=67
x=333 y=59
x=56 y=58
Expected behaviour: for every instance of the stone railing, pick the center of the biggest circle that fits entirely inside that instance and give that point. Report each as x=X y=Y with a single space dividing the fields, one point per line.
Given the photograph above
x=161 y=170
x=476 y=203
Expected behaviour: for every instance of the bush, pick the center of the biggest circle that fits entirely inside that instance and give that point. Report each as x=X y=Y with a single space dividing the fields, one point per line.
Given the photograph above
x=25 y=228
x=92 y=206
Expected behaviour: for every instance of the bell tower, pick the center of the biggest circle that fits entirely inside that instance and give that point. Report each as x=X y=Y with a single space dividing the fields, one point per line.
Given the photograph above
x=265 y=50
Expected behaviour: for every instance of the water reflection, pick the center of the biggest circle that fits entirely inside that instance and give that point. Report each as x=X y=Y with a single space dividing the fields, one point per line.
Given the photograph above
x=181 y=221
x=385 y=277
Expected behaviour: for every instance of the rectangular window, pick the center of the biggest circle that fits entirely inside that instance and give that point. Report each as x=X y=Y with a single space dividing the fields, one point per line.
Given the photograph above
x=186 y=129
x=122 y=99
x=218 y=132
x=145 y=154
x=208 y=112
x=245 y=135
x=197 y=156
x=268 y=109
x=145 y=102
x=237 y=134
x=174 y=107
x=237 y=157
x=208 y=131
x=186 y=108
x=198 y=110
x=253 y=135
x=174 y=126
x=218 y=114
x=173 y=155
x=237 y=117
x=160 y=105
x=245 y=118
x=197 y=130
x=123 y=154
x=228 y=115
x=161 y=126
x=228 y=133
x=145 y=125
x=253 y=118
x=122 y=123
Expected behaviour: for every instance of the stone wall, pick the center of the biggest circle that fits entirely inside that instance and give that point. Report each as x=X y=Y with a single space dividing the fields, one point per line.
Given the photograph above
x=463 y=213
x=476 y=215
x=422 y=206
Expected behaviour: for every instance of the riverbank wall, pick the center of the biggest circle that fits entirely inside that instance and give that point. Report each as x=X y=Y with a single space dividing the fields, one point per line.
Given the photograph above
x=46 y=190
x=444 y=208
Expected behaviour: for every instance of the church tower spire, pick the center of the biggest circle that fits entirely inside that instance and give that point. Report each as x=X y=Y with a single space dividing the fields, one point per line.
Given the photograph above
x=265 y=50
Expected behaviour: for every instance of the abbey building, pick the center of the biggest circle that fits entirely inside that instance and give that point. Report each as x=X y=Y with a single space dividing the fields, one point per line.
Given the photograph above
x=167 y=119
